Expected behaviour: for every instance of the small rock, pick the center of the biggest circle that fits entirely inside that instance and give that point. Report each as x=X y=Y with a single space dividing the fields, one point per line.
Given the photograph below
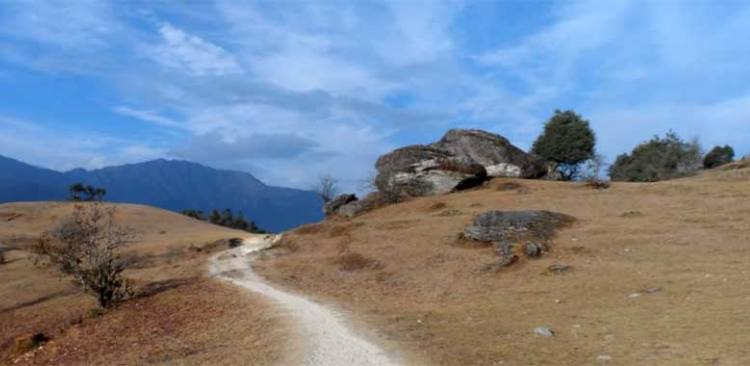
x=559 y=268
x=653 y=290
x=634 y=295
x=533 y=249
x=557 y=301
x=604 y=358
x=544 y=332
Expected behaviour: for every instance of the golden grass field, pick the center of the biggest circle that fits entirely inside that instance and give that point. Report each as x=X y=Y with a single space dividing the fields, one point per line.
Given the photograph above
x=179 y=317
x=401 y=271
x=659 y=276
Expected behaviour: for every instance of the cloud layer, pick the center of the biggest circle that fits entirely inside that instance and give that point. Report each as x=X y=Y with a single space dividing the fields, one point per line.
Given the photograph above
x=293 y=90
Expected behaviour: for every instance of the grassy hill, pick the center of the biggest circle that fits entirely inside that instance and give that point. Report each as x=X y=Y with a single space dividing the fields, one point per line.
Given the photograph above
x=658 y=275
x=178 y=317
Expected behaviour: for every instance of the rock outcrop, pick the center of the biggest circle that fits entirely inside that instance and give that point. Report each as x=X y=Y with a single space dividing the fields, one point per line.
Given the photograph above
x=332 y=207
x=495 y=153
x=461 y=159
x=529 y=231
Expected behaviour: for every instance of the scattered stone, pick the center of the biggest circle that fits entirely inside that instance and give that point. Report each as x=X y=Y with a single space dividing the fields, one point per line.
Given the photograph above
x=628 y=214
x=516 y=225
x=505 y=250
x=332 y=207
x=604 y=358
x=451 y=212
x=533 y=249
x=559 y=268
x=634 y=295
x=653 y=290
x=352 y=209
x=544 y=332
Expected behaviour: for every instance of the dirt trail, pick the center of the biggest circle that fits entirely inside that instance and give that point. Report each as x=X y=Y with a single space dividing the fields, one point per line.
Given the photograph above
x=328 y=341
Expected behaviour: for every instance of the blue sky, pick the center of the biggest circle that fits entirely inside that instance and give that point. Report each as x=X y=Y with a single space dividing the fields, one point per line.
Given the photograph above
x=292 y=90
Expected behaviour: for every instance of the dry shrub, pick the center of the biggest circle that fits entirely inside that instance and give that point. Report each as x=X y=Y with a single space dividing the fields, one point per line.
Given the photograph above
x=631 y=214
x=86 y=247
x=309 y=229
x=340 y=230
x=345 y=229
x=355 y=262
x=288 y=244
x=508 y=186
x=437 y=206
x=343 y=245
x=28 y=343
x=597 y=184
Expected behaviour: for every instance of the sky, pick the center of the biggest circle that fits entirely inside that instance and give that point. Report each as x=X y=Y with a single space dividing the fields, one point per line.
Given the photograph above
x=292 y=90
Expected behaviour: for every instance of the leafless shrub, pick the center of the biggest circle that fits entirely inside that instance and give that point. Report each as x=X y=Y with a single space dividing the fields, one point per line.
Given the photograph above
x=85 y=247
x=327 y=187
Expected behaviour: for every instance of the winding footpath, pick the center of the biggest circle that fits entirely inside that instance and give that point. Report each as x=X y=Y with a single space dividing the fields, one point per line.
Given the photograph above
x=329 y=341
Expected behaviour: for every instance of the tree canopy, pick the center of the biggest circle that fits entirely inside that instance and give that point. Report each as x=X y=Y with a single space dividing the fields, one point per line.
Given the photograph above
x=658 y=159
x=718 y=156
x=568 y=141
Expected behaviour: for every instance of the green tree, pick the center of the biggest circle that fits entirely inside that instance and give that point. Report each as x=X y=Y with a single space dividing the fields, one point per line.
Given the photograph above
x=567 y=141
x=658 y=159
x=718 y=156
x=83 y=192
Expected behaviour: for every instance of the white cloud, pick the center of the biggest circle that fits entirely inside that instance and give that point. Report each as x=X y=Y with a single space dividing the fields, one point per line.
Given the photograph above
x=720 y=123
x=192 y=54
x=31 y=143
x=148 y=116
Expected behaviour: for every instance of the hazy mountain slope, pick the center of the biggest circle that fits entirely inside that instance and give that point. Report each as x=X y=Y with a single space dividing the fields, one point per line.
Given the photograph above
x=173 y=185
x=21 y=181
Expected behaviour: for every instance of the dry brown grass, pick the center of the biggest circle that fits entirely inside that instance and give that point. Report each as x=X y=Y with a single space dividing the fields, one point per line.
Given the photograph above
x=687 y=237
x=355 y=262
x=178 y=317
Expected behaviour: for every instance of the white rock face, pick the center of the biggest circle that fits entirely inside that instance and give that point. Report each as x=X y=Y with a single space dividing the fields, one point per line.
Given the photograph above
x=503 y=170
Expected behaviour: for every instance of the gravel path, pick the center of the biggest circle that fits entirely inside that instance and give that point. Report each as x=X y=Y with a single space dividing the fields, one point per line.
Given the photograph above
x=330 y=342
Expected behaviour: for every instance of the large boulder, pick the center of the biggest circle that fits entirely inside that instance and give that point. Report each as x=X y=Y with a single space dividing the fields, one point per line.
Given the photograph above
x=461 y=159
x=498 y=156
x=423 y=171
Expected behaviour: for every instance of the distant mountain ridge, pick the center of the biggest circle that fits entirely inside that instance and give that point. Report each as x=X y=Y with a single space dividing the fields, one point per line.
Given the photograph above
x=170 y=184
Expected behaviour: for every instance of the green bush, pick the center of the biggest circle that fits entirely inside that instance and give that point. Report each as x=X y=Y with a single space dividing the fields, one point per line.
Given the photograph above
x=658 y=159
x=718 y=156
x=568 y=141
x=227 y=219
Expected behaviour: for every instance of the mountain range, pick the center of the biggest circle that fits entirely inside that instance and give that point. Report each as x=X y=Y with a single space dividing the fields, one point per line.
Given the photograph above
x=170 y=184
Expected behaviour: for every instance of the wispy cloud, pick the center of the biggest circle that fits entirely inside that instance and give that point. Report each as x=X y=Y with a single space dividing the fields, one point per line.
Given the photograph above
x=192 y=54
x=290 y=90
x=148 y=116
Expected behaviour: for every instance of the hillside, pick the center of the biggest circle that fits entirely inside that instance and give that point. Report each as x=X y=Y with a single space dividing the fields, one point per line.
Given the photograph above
x=168 y=184
x=657 y=275
x=180 y=316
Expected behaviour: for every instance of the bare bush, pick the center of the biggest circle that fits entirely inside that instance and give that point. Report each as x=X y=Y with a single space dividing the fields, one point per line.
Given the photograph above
x=327 y=187
x=85 y=247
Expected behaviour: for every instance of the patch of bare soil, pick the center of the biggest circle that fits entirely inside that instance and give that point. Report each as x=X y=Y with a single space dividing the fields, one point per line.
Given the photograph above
x=650 y=274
